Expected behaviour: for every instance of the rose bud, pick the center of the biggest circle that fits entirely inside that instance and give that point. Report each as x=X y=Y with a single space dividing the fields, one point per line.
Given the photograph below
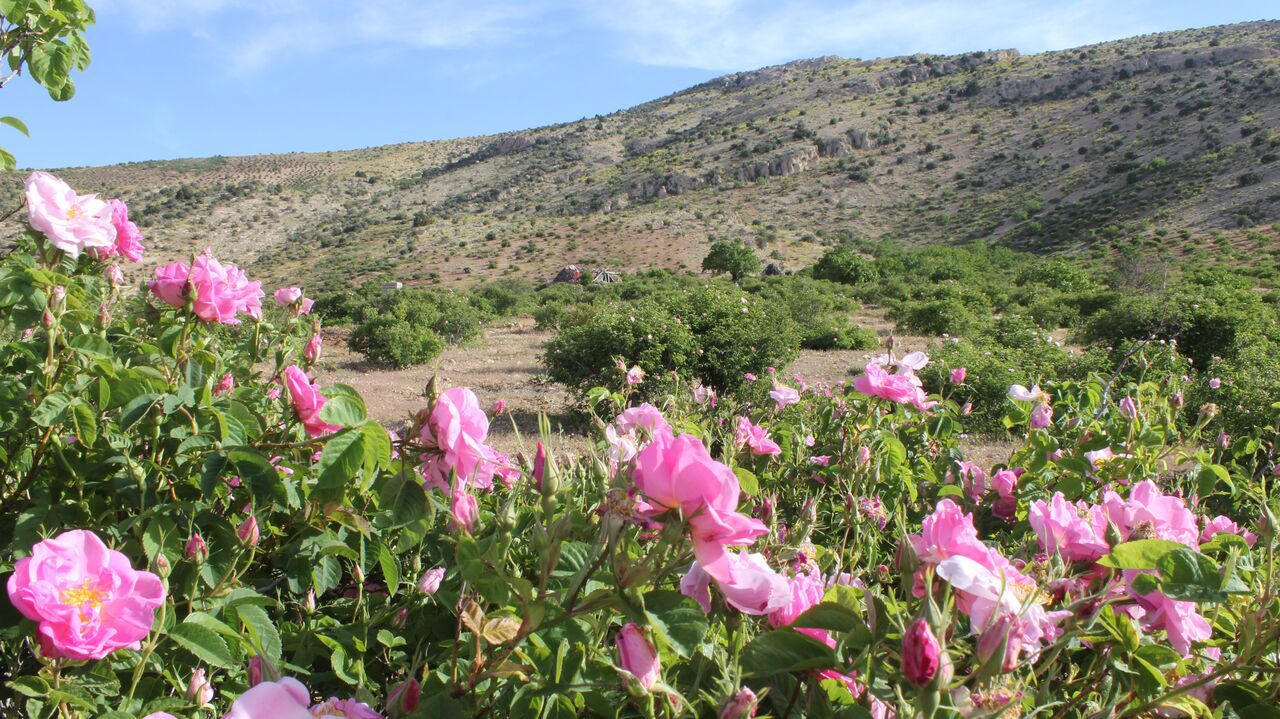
x=637 y=657
x=921 y=653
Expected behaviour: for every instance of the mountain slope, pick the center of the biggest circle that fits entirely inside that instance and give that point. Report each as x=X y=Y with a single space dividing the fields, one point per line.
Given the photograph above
x=1156 y=140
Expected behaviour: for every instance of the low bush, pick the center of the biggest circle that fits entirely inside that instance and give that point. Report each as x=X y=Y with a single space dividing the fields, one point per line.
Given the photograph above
x=412 y=326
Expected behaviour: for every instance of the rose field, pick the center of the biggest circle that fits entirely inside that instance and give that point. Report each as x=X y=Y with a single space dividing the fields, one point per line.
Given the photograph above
x=193 y=527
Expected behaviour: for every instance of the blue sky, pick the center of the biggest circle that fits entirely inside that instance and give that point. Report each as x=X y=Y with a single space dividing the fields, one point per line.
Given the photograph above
x=191 y=78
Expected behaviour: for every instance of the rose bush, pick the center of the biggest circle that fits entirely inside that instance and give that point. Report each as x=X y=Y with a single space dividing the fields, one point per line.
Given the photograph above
x=193 y=527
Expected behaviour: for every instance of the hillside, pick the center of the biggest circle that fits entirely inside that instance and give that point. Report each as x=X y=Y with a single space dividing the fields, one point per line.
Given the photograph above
x=1167 y=140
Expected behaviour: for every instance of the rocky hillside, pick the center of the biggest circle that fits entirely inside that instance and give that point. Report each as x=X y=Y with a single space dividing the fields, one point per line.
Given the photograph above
x=1169 y=141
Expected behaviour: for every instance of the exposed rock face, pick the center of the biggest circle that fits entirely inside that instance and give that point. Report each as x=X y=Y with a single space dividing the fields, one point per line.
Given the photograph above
x=844 y=145
x=664 y=185
x=743 y=80
x=507 y=145
x=783 y=165
x=1082 y=81
x=644 y=145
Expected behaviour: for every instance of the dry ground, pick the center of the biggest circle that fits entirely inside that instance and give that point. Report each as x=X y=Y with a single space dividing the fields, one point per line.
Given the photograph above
x=506 y=365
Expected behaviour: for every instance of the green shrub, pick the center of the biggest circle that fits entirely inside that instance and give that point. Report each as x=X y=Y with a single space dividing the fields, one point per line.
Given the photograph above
x=412 y=326
x=732 y=258
x=845 y=265
x=505 y=298
x=836 y=332
x=950 y=316
x=714 y=332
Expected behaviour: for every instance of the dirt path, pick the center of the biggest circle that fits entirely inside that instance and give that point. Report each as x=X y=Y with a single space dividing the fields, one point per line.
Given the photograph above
x=506 y=365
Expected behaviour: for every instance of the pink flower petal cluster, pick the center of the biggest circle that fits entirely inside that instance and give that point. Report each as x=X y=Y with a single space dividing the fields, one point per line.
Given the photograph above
x=217 y=292
x=455 y=432
x=756 y=437
x=987 y=585
x=748 y=584
x=1076 y=531
x=73 y=223
x=784 y=396
x=87 y=599
x=290 y=699
x=128 y=242
x=292 y=299
x=1042 y=413
x=307 y=402
x=1220 y=524
x=642 y=423
x=902 y=387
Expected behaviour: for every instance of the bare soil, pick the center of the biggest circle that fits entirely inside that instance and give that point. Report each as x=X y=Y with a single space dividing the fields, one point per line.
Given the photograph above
x=506 y=365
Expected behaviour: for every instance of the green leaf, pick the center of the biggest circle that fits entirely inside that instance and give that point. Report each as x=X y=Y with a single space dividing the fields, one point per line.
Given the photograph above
x=202 y=642
x=830 y=616
x=1192 y=577
x=677 y=619
x=343 y=410
x=85 y=421
x=1140 y=554
x=51 y=410
x=786 y=650
x=340 y=460
x=747 y=481
x=93 y=347
x=15 y=123
x=262 y=630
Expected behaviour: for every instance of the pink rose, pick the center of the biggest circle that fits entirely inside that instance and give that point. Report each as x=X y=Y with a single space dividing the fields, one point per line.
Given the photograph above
x=285 y=699
x=921 y=653
x=635 y=375
x=741 y=706
x=217 y=292
x=286 y=296
x=457 y=428
x=307 y=402
x=957 y=375
x=755 y=437
x=128 y=241
x=334 y=708
x=73 y=223
x=784 y=396
x=86 y=598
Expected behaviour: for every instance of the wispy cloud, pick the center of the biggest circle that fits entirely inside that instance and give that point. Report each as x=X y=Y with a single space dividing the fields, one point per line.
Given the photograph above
x=701 y=34
x=251 y=34
x=742 y=34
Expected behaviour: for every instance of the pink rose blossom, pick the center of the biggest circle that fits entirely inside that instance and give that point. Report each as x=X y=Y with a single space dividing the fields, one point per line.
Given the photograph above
x=73 y=223
x=748 y=584
x=457 y=428
x=225 y=385
x=784 y=396
x=307 y=402
x=286 y=296
x=1215 y=383
x=1066 y=528
x=1224 y=524
x=921 y=653
x=635 y=375
x=285 y=699
x=1128 y=408
x=957 y=375
x=114 y=274
x=464 y=509
x=755 y=437
x=806 y=591
x=741 y=706
x=642 y=422
x=247 y=532
x=1041 y=416
x=87 y=599
x=334 y=708
x=218 y=292
x=128 y=243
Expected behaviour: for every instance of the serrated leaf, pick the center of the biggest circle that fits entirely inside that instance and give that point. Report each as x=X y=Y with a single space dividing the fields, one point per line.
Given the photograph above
x=203 y=642
x=500 y=630
x=786 y=650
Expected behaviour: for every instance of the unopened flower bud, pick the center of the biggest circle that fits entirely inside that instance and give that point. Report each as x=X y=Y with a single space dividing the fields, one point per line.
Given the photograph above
x=429 y=582
x=921 y=653
x=247 y=532
x=404 y=697
x=196 y=549
x=741 y=706
x=199 y=690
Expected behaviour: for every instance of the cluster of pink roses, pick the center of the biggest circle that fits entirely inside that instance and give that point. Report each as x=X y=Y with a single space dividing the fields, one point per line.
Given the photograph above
x=215 y=292
x=996 y=596
x=1076 y=531
x=79 y=223
x=902 y=386
x=454 y=434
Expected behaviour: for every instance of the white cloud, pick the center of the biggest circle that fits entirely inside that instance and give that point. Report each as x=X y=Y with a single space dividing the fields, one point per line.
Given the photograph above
x=745 y=34
x=250 y=34
x=704 y=34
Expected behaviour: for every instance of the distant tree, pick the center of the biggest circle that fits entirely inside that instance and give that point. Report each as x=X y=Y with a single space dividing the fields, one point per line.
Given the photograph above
x=46 y=39
x=842 y=264
x=733 y=258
